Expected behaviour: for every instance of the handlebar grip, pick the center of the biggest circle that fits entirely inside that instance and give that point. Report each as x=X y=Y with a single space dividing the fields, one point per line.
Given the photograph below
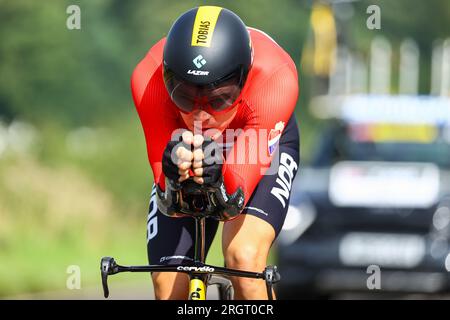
x=107 y=266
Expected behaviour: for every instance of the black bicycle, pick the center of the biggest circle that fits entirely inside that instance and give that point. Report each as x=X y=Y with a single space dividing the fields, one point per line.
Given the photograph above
x=201 y=275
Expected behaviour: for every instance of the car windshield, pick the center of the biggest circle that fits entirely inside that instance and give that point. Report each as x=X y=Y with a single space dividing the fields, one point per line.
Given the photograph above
x=336 y=145
x=438 y=153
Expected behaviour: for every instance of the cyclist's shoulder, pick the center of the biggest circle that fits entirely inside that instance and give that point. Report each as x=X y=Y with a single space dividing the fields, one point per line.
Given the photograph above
x=272 y=80
x=267 y=49
x=145 y=69
x=259 y=36
x=269 y=58
x=273 y=73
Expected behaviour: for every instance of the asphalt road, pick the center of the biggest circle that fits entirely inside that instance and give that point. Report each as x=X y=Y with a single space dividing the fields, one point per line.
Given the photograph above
x=140 y=291
x=118 y=291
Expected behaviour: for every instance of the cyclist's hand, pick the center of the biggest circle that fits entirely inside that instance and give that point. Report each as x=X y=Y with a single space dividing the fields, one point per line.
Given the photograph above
x=177 y=158
x=208 y=162
x=198 y=158
x=185 y=155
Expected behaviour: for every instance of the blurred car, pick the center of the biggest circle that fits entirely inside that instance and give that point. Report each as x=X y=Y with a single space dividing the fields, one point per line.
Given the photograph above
x=375 y=197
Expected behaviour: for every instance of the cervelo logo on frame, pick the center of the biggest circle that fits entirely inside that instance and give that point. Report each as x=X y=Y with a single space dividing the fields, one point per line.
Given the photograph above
x=196 y=269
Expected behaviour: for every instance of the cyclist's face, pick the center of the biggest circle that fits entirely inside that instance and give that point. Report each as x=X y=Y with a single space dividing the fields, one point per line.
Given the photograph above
x=216 y=97
x=200 y=121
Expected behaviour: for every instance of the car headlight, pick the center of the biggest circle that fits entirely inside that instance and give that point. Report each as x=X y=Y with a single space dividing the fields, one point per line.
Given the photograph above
x=298 y=220
x=447 y=262
x=441 y=218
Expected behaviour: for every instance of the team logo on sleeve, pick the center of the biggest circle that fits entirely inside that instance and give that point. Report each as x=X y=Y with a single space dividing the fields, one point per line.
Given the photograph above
x=274 y=137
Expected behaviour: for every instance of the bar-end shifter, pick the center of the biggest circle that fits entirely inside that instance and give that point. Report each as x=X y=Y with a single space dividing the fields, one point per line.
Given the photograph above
x=108 y=266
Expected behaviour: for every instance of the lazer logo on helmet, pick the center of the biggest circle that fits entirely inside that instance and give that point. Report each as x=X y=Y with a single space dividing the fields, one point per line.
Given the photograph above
x=199 y=61
x=198 y=73
x=196 y=269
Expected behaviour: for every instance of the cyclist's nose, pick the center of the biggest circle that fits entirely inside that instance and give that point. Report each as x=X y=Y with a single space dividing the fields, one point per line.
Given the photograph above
x=201 y=115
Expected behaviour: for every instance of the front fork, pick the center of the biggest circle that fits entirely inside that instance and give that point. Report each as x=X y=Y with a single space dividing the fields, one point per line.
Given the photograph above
x=197 y=288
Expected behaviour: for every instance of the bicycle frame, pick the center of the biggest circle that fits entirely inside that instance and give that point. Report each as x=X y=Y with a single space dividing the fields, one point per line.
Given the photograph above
x=198 y=271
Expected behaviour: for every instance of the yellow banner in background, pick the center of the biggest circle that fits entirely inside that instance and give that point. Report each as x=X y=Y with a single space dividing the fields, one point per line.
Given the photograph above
x=402 y=133
x=319 y=55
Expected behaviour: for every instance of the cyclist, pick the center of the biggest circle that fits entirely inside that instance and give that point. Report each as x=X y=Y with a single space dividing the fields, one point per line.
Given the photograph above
x=209 y=75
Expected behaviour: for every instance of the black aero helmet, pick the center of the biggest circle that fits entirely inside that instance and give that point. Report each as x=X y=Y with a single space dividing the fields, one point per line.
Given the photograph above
x=207 y=56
